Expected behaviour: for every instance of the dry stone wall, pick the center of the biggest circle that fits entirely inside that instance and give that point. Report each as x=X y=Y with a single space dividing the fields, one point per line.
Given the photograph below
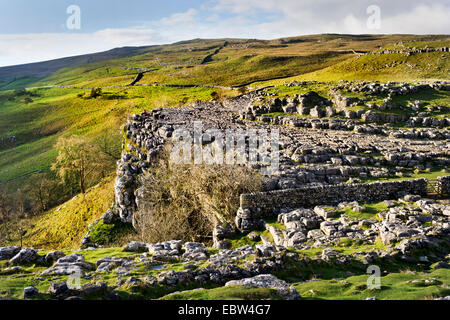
x=444 y=185
x=256 y=206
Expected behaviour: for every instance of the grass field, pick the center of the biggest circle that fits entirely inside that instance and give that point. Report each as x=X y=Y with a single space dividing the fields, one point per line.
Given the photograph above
x=57 y=112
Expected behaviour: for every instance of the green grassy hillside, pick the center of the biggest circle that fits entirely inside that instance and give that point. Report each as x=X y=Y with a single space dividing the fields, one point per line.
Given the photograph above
x=215 y=61
x=56 y=112
x=391 y=66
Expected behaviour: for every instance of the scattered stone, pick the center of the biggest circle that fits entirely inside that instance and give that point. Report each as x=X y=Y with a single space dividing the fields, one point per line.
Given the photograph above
x=53 y=256
x=194 y=251
x=172 y=247
x=325 y=211
x=7 y=253
x=109 y=263
x=13 y=270
x=30 y=292
x=25 y=256
x=69 y=265
x=135 y=246
x=268 y=281
x=58 y=289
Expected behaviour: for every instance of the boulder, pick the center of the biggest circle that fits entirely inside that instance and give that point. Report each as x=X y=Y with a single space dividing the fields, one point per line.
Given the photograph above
x=171 y=248
x=266 y=250
x=135 y=246
x=69 y=265
x=194 y=251
x=58 y=289
x=268 y=281
x=7 y=253
x=325 y=211
x=25 y=255
x=53 y=256
x=108 y=263
x=96 y=290
x=30 y=292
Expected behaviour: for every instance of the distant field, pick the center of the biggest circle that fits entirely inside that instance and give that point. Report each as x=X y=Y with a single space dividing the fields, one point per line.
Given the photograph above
x=224 y=61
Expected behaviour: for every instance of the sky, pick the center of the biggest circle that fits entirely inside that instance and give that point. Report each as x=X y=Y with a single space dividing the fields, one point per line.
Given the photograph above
x=32 y=31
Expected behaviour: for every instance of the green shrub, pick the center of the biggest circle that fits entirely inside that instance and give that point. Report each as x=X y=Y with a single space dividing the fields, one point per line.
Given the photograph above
x=103 y=234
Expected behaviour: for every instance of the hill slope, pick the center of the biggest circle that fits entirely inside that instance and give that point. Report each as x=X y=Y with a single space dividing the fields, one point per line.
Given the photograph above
x=34 y=71
x=213 y=61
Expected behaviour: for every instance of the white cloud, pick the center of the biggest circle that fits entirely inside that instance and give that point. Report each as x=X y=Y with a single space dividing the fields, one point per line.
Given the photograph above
x=423 y=19
x=335 y=16
x=179 y=18
x=127 y=37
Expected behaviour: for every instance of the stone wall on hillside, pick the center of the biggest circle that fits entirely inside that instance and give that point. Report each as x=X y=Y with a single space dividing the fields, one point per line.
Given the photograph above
x=443 y=184
x=256 y=206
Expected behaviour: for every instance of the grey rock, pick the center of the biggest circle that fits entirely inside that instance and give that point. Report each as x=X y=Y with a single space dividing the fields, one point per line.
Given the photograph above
x=53 y=256
x=135 y=246
x=25 y=256
x=69 y=265
x=58 y=288
x=172 y=248
x=109 y=217
x=30 y=292
x=7 y=253
x=325 y=211
x=268 y=281
x=98 y=290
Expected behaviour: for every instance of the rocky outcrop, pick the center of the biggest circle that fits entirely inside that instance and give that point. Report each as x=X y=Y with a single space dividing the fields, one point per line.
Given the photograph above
x=285 y=290
x=25 y=256
x=73 y=264
x=330 y=150
x=7 y=253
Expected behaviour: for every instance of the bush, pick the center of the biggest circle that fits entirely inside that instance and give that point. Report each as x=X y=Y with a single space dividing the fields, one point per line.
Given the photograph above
x=95 y=92
x=103 y=234
x=20 y=92
x=186 y=201
x=242 y=90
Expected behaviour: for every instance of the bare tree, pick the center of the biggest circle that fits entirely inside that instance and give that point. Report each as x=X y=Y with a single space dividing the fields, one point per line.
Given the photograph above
x=44 y=191
x=78 y=160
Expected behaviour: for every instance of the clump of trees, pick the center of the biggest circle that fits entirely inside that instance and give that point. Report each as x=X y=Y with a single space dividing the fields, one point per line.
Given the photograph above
x=185 y=201
x=81 y=163
x=243 y=90
x=95 y=92
x=14 y=211
x=22 y=93
x=217 y=95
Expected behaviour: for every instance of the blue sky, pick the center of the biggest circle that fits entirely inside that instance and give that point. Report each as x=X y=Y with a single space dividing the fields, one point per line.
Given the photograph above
x=32 y=31
x=42 y=16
